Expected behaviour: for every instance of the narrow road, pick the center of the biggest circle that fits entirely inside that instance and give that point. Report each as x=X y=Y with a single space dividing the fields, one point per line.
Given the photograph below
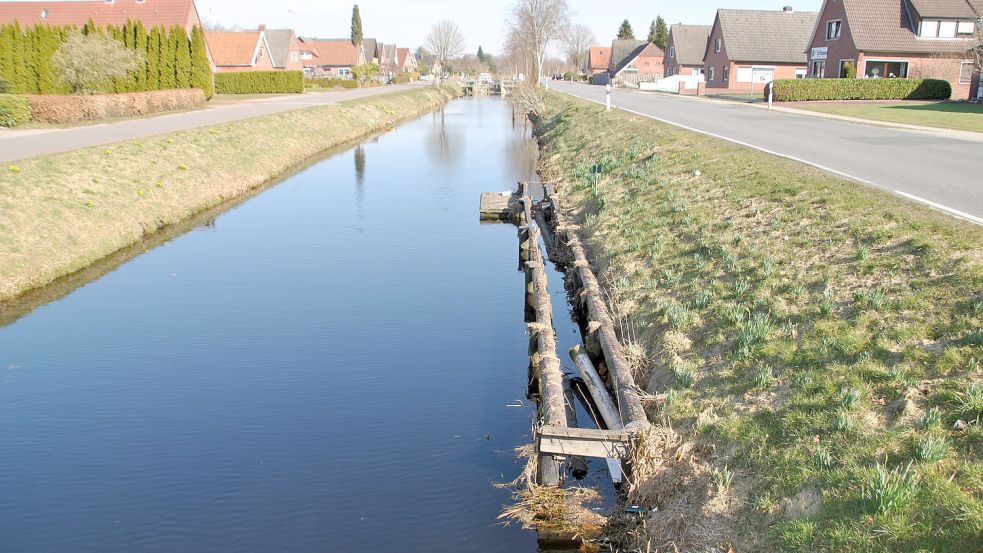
x=945 y=173
x=20 y=144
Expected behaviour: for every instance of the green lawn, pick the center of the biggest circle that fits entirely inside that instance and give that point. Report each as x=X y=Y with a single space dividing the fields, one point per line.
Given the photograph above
x=811 y=347
x=961 y=116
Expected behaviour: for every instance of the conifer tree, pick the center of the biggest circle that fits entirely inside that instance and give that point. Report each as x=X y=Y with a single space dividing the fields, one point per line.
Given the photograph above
x=625 y=32
x=201 y=69
x=661 y=33
x=166 y=60
x=29 y=80
x=140 y=44
x=356 y=27
x=7 y=52
x=48 y=42
x=182 y=57
x=153 y=59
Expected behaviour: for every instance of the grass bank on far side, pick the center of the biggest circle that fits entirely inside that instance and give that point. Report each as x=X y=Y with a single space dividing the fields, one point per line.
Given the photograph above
x=960 y=116
x=62 y=212
x=811 y=347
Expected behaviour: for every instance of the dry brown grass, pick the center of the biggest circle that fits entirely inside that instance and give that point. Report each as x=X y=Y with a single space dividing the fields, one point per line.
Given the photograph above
x=60 y=213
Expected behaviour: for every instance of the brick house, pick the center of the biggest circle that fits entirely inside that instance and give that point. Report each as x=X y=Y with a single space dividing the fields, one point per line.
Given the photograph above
x=635 y=61
x=151 y=13
x=598 y=60
x=331 y=58
x=284 y=49
x=897 y=38
x=406 y=60
x=239 y=50
x=685 y=49
x=749 y=48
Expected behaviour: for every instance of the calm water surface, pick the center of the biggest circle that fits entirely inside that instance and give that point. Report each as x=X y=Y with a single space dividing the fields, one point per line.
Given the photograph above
x=326 y=367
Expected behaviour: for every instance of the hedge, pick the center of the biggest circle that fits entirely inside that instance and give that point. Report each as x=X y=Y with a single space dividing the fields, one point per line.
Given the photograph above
x=50 y=108
x=331 y=83
x=798 y=90
x=173 y=59
x=14 y=110
x=259 y=82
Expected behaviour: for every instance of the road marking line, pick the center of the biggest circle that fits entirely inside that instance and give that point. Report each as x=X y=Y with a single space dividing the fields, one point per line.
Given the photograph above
x=923 y=201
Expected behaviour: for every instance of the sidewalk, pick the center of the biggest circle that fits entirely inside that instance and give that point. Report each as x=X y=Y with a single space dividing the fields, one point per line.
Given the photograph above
x=20 y=144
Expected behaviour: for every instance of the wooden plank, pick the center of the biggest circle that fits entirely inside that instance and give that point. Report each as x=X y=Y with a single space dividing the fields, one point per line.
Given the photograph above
x=500 y=206
x=587 y=442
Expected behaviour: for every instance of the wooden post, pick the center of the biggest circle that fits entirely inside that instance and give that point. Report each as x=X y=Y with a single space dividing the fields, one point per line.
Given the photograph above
x=606 y=408
x=578 y=465
x=550 y=373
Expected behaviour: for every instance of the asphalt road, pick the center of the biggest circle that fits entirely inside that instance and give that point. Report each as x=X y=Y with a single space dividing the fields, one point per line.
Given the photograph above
x=20 y=144
x=931 y=168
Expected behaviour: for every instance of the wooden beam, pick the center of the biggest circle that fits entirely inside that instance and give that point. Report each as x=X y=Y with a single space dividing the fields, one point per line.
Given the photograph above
x=584 y=441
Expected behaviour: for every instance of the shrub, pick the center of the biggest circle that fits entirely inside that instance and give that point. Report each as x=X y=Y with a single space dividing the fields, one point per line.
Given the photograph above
x=259 y=82
x=14 y=110
x=90 y=63
x=70 y=109
x=798 y=90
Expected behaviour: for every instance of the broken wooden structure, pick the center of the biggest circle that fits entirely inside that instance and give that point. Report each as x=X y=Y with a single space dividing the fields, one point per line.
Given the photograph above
x=557 y=439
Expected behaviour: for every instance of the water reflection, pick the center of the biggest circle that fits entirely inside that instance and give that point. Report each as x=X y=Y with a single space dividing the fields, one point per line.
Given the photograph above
x=446 y=142
x=360 y=180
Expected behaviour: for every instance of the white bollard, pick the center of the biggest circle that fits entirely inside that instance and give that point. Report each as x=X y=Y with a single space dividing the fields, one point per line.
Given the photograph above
x=770 y=88
x=607 y=89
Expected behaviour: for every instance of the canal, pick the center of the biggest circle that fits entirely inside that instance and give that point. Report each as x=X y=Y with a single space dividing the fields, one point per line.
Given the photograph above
x=336 y=364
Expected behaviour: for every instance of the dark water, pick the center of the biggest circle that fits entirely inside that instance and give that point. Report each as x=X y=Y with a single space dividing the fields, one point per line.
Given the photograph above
x=326 y=367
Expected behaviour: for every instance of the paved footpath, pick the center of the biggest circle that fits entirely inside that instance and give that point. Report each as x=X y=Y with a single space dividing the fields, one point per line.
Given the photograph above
x=933 y=168
x=21 y=144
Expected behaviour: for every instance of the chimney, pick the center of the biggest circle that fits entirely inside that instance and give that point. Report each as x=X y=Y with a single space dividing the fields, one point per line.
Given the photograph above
x=788 y=9
x=262 y=27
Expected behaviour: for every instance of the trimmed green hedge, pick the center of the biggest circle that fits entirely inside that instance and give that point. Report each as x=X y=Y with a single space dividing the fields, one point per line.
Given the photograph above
x=331 y=83
x=799 y=90
x=260 y=82
x=14 y=110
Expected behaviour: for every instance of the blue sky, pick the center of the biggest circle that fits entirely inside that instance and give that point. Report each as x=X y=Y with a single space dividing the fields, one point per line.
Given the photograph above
x=406 y=22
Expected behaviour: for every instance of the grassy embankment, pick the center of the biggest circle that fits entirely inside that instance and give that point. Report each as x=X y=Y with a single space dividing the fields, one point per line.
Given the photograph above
x=811 y=342
x=961 y=116
x=63 y=212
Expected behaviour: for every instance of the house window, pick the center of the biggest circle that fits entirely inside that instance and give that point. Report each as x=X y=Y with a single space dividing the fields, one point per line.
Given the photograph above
x=819 y=69
x=876 y=69
x=726 y=73
x=943 y=29
x=710 y=73
x=672 y=52
x=929 y=29
x=800 y=73
x=261 y=54
x=717 y=44
x=966 y=28
x=833 y=29
x=965 y=72
x=344 y=71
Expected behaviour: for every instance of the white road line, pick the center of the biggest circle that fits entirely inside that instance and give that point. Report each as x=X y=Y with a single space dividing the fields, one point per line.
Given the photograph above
x=923 y=201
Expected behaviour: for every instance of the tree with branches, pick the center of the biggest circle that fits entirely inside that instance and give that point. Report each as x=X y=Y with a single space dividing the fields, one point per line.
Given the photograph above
x=625 y=32
x=444 y=41
x=576 y=41
x=90 y=63
x=659 y=33
x=533 y=26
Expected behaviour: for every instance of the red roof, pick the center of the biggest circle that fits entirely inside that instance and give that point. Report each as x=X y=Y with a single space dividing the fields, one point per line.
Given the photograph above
x=231 y=47
x=600 y=57
x=402 y=54
x=151 y=12
x=336 y=52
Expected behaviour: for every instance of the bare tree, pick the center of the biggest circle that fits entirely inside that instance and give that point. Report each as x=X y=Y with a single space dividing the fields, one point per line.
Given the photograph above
x=576 y=41
x=444 y=42
x=534 y=25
